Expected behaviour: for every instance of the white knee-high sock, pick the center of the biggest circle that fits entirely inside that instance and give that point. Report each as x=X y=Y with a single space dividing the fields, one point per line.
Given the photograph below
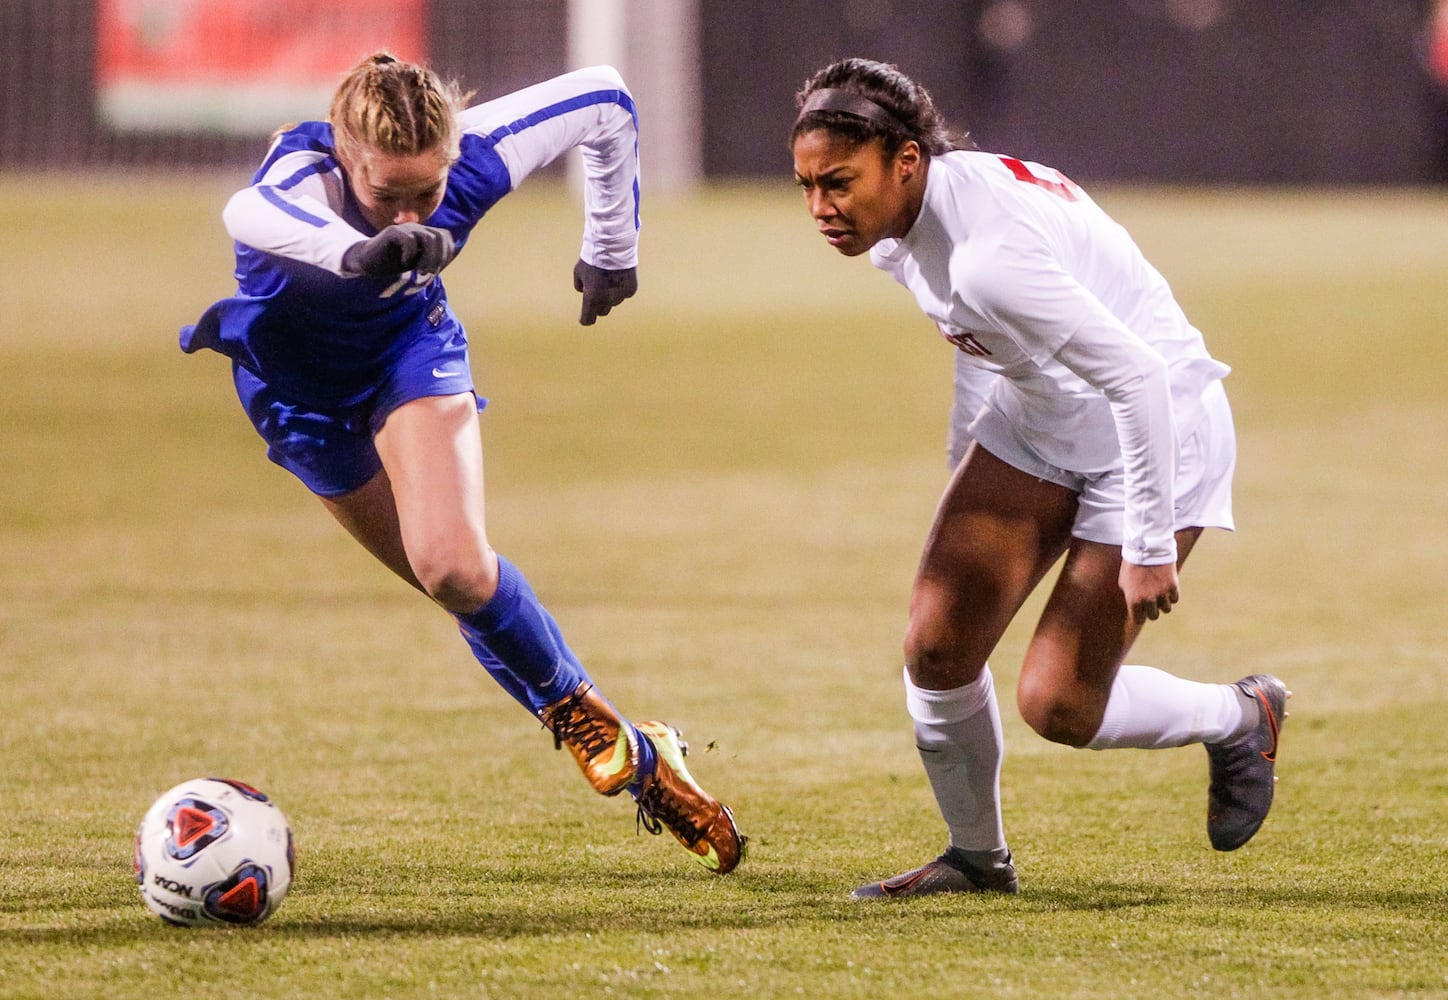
x=958 y=733
x=1149 y=709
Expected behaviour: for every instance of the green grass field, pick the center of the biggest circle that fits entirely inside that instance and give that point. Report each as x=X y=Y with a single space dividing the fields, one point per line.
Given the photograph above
x=720 y=491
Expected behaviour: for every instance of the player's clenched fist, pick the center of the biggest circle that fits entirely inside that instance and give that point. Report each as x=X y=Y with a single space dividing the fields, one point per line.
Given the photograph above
x=409 y=246
x=602 y=289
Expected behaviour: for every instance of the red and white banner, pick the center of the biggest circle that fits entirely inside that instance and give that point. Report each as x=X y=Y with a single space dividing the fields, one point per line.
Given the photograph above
x=239 y=66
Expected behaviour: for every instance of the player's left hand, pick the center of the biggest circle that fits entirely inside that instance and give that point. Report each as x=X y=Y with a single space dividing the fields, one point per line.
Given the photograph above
x=602 y=289
x=1150 y=591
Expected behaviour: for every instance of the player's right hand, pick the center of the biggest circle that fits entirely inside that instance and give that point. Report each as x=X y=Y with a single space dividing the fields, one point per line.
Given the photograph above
x=1150 y=591
x=408 y=246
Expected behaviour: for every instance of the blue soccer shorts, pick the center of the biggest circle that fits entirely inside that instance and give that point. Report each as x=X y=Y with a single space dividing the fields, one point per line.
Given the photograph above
x=329 y=448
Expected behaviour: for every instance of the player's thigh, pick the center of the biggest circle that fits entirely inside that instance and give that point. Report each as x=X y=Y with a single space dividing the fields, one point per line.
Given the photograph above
x=369 y=513
x=1080 y=642
x=997 y=530
x=431 y=449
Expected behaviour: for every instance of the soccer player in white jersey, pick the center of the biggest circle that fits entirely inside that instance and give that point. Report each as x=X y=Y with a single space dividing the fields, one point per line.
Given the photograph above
x=1099 y=431
x=353 y=368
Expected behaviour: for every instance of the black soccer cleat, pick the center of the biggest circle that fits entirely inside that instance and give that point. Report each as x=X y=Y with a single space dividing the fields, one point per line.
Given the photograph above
x=1243 y=771
x=947 y=873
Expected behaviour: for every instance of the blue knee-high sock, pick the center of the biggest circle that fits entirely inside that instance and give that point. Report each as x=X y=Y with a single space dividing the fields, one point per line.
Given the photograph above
x=517 y=641
x=506 y=679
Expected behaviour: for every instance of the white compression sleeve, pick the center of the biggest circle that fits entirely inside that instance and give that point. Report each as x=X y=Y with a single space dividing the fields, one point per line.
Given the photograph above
x=958 y=734
x=1149 y=709
x=1135 y=381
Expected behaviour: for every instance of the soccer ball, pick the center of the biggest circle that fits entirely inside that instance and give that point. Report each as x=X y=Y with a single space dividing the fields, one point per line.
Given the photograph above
x=213 y=851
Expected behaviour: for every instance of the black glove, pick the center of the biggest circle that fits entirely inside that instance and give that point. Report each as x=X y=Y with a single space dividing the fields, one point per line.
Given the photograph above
x=410 y=246
x=602 y=289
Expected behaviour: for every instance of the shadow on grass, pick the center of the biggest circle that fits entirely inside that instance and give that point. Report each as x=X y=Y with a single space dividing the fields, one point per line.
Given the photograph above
x=1109 y=896
x=517 y=907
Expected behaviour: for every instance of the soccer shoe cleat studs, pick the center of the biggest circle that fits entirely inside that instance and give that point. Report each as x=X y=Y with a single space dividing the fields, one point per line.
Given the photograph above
x=597 y=736
x=1243 y=770
x=948 y=873
x=671 y=799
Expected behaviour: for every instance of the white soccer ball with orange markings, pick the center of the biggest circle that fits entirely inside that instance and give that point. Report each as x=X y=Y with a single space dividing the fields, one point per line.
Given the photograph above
x=214 y=852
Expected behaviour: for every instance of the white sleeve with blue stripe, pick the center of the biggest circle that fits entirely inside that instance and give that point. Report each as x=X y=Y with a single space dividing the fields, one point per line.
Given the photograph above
x=292 y=209
x=288 y=211
x=591 y=108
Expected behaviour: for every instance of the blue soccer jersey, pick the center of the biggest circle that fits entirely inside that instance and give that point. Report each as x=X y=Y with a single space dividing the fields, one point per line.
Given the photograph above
x=326 y=338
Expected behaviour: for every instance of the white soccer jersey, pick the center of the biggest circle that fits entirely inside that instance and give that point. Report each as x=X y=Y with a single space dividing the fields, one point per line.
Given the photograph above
x=1098 y=365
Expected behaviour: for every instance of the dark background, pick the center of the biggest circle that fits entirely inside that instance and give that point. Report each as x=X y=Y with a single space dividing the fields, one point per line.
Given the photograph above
x=1193 y=91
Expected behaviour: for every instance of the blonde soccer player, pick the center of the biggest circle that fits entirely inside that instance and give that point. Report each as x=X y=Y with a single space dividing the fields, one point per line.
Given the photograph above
x=354 y=369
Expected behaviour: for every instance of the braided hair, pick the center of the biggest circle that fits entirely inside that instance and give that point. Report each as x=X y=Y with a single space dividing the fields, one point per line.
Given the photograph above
x=397 y=107
x=861 y=100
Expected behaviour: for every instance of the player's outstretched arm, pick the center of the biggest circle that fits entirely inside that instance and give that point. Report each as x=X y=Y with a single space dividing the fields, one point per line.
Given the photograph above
x=588 y=109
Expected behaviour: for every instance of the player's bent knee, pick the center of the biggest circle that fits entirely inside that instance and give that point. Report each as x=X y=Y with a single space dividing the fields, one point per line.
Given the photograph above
x=936 y=663
x=1059 y=719
x=460 y=585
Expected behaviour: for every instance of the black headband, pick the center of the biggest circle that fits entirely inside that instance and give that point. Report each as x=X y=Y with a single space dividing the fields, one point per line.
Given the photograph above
x=851 y=103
